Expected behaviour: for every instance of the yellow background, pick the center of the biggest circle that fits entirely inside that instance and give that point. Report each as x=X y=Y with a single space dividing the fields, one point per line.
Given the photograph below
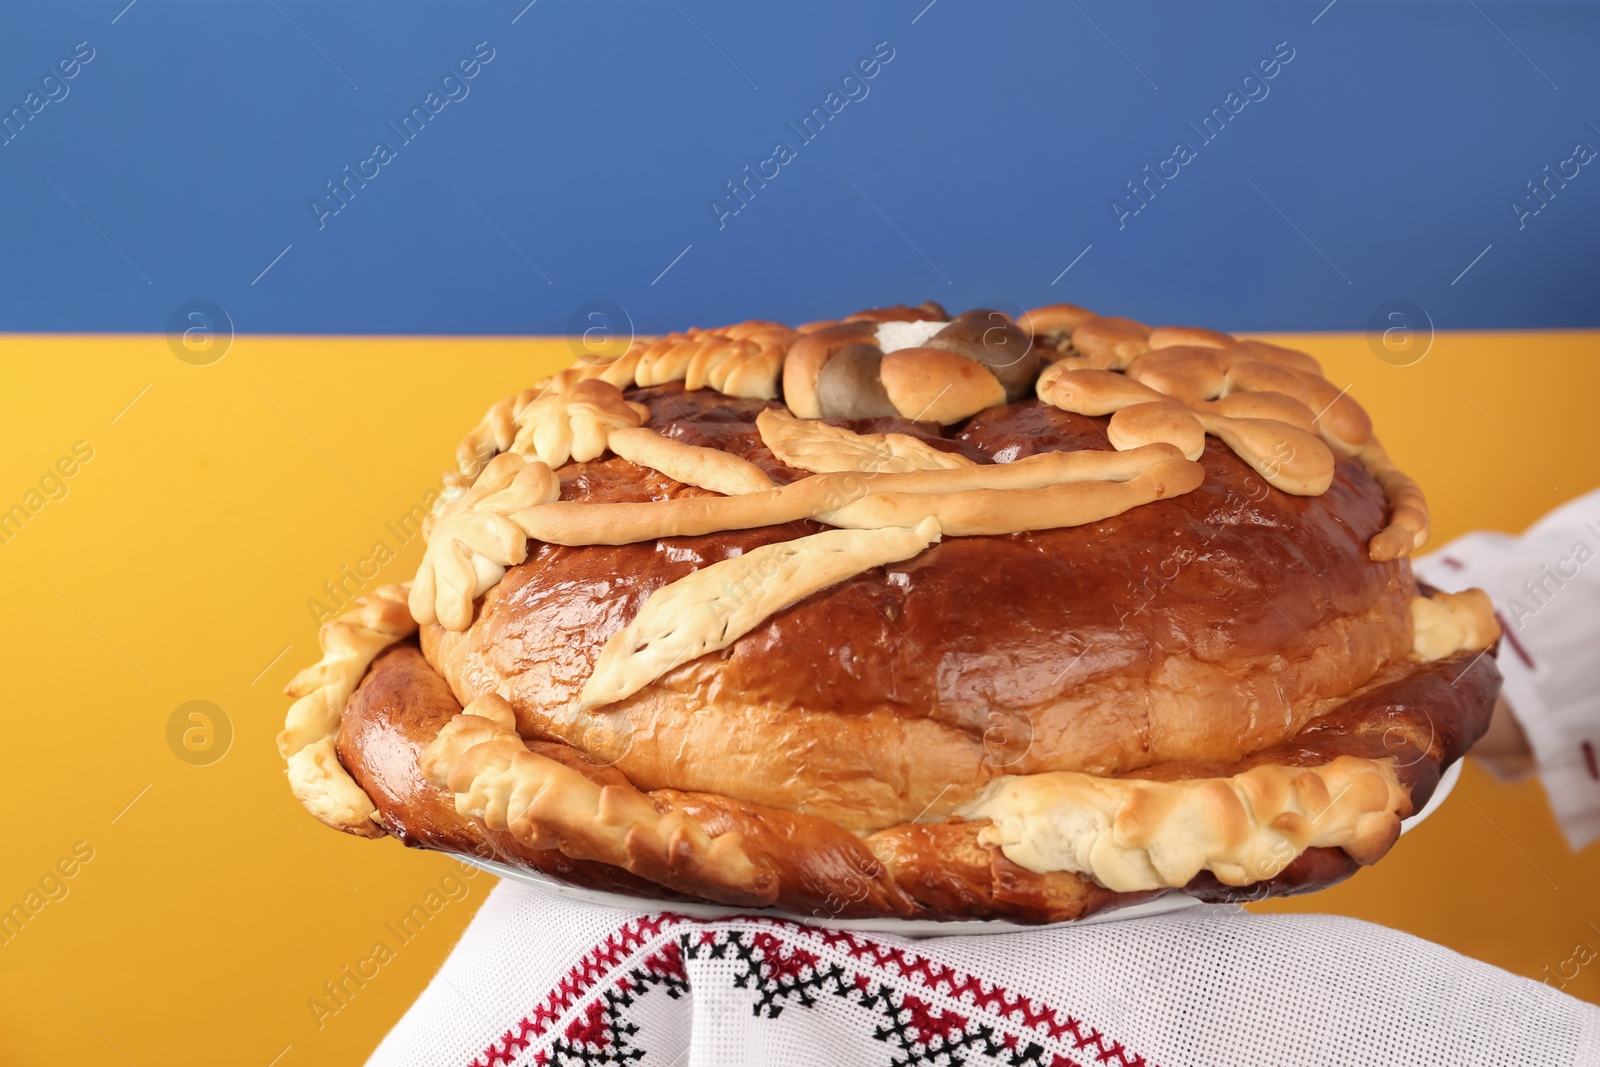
x=179 y=566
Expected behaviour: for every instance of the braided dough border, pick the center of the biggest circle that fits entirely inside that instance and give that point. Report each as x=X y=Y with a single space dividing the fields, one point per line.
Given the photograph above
x=480 y=758
x=1128 y=835
x=1132 y=835
x=743 y=360
x=812 y=866
x=349 y=641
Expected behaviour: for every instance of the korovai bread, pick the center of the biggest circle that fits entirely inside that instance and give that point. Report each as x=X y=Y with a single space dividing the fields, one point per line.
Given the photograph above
x=910 y=614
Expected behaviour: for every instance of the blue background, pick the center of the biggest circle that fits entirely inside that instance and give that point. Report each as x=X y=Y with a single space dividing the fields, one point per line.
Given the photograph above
x=982 y=163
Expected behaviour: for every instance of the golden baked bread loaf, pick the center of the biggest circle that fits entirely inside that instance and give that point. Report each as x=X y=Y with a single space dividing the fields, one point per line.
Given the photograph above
x=920 y=616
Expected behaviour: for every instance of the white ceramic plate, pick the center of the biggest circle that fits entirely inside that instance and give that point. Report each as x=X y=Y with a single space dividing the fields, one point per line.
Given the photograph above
x=1447 y=783
x=898 y=927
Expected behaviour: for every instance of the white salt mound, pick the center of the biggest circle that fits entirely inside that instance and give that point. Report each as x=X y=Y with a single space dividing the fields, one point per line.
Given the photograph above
x=895 y=335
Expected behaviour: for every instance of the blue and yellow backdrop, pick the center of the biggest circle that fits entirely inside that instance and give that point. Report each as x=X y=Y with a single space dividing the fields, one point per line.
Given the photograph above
x=262 y=263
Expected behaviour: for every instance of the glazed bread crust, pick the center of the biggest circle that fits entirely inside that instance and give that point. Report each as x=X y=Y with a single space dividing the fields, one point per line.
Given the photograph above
x=1205 y=626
